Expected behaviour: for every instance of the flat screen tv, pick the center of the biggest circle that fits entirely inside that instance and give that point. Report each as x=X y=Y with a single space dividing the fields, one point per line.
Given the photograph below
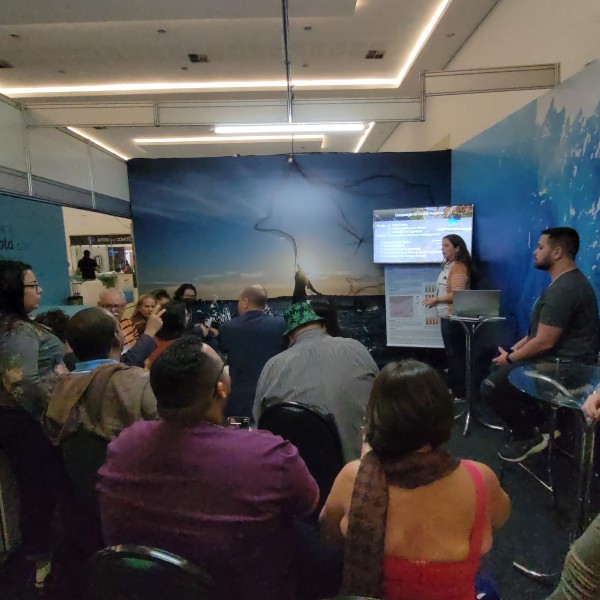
x=414 y=235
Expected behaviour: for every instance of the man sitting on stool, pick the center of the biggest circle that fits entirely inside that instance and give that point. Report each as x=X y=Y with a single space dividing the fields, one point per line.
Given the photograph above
x=563 y=327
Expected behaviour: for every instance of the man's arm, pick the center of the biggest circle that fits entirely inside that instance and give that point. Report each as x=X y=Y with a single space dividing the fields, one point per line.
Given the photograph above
x=545 y=339
x=136 y=356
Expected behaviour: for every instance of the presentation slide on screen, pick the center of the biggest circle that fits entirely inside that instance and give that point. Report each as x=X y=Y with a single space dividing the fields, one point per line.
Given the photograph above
x=408 y=322
x=414 y=235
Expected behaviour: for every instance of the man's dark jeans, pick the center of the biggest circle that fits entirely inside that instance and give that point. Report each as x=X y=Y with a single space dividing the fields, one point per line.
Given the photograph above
x=521 y=412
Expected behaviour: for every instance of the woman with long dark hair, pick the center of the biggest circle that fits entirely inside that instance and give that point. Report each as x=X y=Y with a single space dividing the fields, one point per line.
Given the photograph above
x=414 y=520
x=455 y=275
x=30 y=364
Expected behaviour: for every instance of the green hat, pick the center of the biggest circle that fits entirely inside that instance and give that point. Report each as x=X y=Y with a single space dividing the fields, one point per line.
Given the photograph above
x=299 y=314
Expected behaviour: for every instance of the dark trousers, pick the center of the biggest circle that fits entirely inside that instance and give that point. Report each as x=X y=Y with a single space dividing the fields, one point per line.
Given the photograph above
x=40 y=475
x=521 y=412
x=453 y=335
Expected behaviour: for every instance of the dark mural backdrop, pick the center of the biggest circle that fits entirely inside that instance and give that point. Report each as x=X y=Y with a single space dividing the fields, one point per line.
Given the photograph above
x=223 y=223
x=538 y=168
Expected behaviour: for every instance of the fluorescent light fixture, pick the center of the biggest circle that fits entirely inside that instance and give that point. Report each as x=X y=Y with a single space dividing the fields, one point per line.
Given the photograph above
x=191 y=86
x=226 y=139
x=292 y=128
x=364 y=137
x=91 y=139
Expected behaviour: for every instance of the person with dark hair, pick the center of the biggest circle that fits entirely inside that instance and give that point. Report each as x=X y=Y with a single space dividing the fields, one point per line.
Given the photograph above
x=331 y=375
x=328 y=312
x=87 y=266
x=222 y=498
x=455 y=275
x=56 y=321
x=564 y=327
x=143 y=309
x=30 y=366
x=196 y=318
x=161 y=296
x=414 y=520
x=249 y=341
x=174 y=322
x=102 y=395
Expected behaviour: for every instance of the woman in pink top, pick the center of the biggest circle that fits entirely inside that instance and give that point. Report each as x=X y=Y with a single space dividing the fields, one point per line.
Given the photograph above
x=414 y=519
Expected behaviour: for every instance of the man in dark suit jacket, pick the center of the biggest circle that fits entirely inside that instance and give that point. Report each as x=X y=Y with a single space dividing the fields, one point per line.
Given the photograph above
x=249 y=341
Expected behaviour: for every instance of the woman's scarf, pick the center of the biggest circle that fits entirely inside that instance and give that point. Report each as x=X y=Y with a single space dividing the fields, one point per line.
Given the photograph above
x=364 y=547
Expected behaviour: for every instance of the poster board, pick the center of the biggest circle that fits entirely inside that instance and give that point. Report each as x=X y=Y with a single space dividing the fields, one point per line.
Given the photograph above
x=408 y=322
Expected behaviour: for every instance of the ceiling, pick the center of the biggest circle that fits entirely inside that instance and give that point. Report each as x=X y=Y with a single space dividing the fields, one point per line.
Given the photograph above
x=119 y=71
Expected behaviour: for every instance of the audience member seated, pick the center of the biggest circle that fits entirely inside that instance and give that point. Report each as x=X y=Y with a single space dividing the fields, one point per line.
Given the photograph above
x=162 y=297
x=143 y=309
x=222 y=498
x=580 y=578
x=113 y=300
x=174 y=321
x=415 y=520
x=56 y=321
x=249 y=341
x=30 y=366
x=328 y=311
x=102 y=395
x=331 y=375
x=564 y=326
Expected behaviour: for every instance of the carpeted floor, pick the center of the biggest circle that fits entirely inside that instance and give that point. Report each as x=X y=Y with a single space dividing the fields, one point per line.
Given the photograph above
x=531 y=536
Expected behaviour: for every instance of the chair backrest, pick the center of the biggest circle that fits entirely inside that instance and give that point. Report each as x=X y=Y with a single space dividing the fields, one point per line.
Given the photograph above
x=314 y=434
x=83 y=454
x=131 y=572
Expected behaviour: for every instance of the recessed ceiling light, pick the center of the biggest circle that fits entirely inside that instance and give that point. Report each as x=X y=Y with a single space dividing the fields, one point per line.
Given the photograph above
x=161 y=31
x=15 y=36
x=308 y=28
x=291 y=128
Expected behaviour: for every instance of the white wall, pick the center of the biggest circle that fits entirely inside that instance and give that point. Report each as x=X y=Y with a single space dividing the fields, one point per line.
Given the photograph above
x=516 y=32
x=60 y=157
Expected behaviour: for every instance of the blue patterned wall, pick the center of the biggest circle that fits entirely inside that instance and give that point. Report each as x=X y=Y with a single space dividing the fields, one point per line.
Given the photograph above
x=34 y=232
x=538 y=168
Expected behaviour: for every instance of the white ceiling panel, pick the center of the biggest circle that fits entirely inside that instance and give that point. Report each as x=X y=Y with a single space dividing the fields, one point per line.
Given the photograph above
x=114 y=46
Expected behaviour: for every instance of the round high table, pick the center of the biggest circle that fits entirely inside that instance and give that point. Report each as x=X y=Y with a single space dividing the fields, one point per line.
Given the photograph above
x=565 y=385
x=471 y=325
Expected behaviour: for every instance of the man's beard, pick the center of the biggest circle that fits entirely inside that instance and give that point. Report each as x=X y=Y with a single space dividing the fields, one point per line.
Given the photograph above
x=542 y=266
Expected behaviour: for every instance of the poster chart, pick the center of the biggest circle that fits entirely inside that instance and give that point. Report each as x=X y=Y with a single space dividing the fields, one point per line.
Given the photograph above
x=408 y=322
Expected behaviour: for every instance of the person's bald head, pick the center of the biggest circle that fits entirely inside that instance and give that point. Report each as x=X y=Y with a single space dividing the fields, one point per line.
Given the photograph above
x=253 y=297
x=113 y=299
x=92 y=333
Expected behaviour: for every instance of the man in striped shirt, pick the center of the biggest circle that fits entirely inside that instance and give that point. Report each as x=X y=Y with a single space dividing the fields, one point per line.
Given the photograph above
x=331 y=375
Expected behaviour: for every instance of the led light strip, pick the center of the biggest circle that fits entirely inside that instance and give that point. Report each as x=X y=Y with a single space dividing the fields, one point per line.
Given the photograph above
x=291 y=128
x=95 y=141
x=364 y=137
x=241 y=85
x=225 y=139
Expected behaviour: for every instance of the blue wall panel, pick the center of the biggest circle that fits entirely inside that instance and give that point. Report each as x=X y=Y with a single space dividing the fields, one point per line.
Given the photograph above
x=34 y=232
x=538 y=168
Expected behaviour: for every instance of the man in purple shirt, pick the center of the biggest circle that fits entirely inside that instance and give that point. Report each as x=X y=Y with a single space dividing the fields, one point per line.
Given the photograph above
x=222 y=498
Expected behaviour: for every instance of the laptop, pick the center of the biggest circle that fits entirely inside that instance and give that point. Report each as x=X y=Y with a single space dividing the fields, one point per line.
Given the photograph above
x=476 y=303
